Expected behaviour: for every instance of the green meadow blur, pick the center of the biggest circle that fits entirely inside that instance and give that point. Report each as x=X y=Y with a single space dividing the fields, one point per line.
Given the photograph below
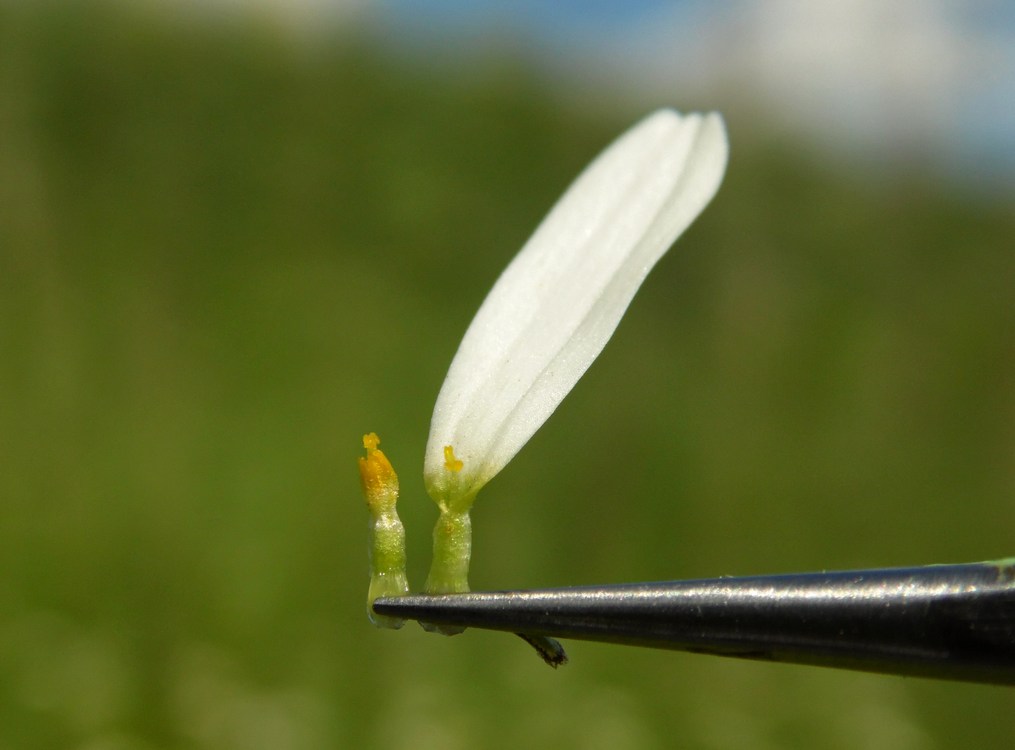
x=225 y=254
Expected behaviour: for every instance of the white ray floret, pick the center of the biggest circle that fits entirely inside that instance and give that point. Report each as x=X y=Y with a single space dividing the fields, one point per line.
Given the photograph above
x=556 y=305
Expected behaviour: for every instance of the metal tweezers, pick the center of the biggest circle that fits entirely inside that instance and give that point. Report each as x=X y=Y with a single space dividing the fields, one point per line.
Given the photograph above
x=942 y=621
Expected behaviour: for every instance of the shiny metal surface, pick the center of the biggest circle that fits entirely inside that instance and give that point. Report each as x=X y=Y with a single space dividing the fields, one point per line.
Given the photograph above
x=944 y=621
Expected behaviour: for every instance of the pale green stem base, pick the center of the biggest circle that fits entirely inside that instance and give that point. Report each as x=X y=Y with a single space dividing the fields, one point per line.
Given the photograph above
x=449 y=571
x=387 y=565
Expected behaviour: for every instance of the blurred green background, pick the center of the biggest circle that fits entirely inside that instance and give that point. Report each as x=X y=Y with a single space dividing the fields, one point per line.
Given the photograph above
x=226 y=253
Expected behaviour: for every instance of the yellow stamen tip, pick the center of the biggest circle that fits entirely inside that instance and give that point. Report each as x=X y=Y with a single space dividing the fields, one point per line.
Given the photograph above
x=450 y=462
x=380 y=483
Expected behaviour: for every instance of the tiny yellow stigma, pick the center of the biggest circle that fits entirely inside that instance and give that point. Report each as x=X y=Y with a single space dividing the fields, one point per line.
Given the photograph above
x=380 y=483
x=450 y=462
x=371 y=441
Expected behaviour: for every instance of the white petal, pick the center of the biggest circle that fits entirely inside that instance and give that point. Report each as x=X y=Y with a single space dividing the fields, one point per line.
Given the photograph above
x=556 y=305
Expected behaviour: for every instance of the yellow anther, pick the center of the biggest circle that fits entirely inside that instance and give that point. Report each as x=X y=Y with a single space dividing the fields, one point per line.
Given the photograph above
x=380 y=483
x=450 y=462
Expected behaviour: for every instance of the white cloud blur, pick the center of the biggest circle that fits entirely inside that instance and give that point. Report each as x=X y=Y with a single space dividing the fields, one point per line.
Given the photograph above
x=909 y=77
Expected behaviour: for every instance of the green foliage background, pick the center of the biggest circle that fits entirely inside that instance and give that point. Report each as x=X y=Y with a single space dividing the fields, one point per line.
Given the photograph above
x=226 y=254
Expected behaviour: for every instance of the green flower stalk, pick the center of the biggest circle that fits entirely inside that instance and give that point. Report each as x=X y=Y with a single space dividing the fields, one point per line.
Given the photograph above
x=452 y=535
x=386 y=533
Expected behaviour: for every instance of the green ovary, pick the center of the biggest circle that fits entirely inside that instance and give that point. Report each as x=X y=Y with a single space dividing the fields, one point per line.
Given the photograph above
x=449 y=571
x=452 y=549
x=387 y=565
